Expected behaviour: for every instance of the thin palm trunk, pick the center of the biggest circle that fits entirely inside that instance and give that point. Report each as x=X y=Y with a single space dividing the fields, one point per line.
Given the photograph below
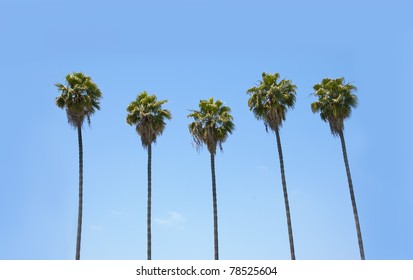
x=353 y=199
x=149 y=201
x=80 y=210
x=287 y=205
x=214 y=199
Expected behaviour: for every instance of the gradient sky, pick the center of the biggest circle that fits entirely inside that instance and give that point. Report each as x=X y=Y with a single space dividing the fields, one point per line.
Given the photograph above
x=184 y=51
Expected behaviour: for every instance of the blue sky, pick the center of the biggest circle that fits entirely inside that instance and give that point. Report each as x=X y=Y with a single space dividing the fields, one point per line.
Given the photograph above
x=184 y=51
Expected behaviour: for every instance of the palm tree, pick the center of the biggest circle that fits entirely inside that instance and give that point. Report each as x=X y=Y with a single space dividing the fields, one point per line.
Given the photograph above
x=269 y=101
x=80 y=97
x=147 y=115
x=335 y=101
x=211 y=126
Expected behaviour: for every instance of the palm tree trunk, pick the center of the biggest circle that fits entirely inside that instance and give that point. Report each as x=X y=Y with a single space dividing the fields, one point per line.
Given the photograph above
x=80 y=210
x=287 y=205
x=214 y=199
x=149 y=201
x=353 y=199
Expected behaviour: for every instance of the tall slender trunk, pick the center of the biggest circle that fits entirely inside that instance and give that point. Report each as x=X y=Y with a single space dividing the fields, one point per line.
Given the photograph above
x=353 y=199
x=80 y=210
x=149 y=201
x=287 y=205
x=214 y=200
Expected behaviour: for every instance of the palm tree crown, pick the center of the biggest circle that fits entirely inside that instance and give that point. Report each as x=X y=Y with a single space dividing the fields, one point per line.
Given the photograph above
x=148 y=116
x=211 y=125
x=335 y=101
x=271 y=99
x=80 y=96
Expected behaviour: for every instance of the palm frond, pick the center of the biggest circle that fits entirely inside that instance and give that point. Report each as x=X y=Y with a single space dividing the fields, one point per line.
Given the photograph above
x=147 y=114
x=80 y=97
x=211 y=125
x=335 y=102
x=270 y=100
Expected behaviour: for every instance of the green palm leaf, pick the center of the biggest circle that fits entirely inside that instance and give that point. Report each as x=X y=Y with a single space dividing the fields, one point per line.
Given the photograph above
x=80 y=96
x=212 y=124
x=335 y=102
x=270 y=100
x=147 y=114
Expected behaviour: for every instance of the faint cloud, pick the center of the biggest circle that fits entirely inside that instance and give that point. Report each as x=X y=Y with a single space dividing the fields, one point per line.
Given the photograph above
x=297 y=192
x=96 y=228
x=263 y=168
x=174 y=219
x=116 y=212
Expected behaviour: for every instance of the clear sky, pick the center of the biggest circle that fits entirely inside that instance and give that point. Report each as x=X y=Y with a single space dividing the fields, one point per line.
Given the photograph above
x=184 y=51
